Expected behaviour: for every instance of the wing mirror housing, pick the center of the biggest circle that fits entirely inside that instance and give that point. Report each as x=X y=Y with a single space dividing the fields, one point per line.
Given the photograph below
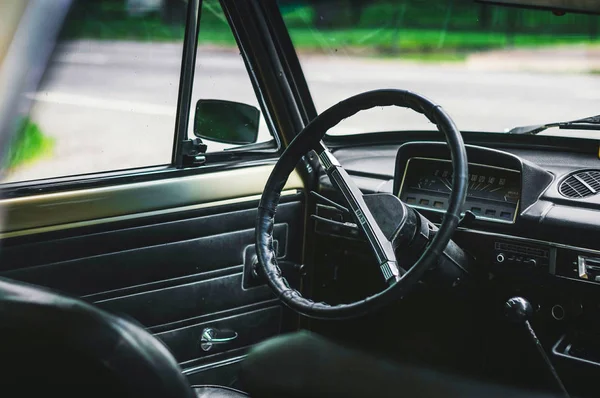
x=227 y=122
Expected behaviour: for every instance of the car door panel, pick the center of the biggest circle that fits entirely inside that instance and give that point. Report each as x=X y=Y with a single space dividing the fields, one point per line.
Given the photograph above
x=145 y=265
x=252 y=325
x=177 y=271
x=167 y=305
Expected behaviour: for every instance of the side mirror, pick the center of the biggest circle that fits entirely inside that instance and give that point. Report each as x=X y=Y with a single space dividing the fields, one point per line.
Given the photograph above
x=226 y=122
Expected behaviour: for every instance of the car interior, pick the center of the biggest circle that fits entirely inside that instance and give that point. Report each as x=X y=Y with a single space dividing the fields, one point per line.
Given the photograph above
x=400 y=263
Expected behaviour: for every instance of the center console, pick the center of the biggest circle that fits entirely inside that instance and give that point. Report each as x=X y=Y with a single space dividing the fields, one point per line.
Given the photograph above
x=562 y=282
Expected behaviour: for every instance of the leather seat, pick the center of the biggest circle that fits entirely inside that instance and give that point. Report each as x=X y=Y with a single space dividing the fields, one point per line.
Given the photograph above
x=304 y=364
x=56 y=345
x=218 y=392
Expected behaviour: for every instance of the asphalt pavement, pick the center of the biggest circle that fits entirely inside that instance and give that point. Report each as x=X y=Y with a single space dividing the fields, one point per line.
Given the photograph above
x=111 y=105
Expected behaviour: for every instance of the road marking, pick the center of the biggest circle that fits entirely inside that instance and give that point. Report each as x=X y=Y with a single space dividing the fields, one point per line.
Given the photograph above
x=204 y=60
x=55 y=97
x=82 y=58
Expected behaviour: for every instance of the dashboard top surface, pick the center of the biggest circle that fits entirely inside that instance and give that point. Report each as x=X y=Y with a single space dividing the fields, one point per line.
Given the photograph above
x=379 y=160
x=543 y=212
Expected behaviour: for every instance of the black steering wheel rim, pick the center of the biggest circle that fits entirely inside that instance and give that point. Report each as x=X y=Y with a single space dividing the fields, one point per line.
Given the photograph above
x=309 y=139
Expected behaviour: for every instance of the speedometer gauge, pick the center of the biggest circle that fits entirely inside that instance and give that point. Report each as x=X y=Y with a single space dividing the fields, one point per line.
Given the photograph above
x=493 y=192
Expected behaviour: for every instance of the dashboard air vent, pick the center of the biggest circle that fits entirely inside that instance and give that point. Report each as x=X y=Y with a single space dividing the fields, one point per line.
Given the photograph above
x=581 y=184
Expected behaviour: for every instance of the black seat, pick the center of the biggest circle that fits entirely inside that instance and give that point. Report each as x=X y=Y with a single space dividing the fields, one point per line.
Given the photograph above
x=55 y=345
x=304 y=364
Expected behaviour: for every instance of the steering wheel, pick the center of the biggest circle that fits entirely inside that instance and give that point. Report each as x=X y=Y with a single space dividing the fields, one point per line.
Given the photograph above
x=410 y=225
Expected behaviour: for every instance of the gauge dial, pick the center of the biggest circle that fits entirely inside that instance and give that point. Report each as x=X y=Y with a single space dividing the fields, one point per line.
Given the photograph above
x=492 y=192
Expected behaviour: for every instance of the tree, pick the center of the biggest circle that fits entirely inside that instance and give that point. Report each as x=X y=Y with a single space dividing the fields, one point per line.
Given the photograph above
x=330 y=14
x=485 y=16
x=173 y=12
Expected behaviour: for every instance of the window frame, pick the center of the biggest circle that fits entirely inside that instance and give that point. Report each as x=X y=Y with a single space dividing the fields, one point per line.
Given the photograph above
x=289 y=58
x=260 y=66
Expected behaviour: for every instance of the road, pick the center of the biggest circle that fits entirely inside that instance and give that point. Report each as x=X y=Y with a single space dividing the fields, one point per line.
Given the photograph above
x=112 y=105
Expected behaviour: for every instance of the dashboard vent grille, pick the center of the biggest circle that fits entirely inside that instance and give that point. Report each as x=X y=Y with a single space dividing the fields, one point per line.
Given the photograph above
x=581 y=184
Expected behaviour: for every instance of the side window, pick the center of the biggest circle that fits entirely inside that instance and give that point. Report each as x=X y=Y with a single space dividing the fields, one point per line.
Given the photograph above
x=108 y=98
x=221 y=73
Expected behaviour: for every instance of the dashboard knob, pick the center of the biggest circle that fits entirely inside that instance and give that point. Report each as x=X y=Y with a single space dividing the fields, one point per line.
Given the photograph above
x=500 y=258
x=558 y=312
x=531 y=262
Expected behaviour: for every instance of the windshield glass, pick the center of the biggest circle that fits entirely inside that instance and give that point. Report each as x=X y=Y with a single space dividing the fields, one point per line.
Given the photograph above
x=492 y=68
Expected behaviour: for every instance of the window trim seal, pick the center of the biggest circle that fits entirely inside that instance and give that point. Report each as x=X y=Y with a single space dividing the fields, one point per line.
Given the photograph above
x=186 y=80
x=289 y=59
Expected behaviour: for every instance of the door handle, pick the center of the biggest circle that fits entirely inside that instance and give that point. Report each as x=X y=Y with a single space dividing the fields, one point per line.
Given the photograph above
x=211 y=336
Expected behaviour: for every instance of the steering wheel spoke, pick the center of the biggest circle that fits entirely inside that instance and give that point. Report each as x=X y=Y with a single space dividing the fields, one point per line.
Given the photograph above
x=382 y=247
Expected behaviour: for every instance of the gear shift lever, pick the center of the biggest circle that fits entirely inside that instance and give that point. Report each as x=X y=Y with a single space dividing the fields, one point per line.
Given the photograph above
x=519 y=310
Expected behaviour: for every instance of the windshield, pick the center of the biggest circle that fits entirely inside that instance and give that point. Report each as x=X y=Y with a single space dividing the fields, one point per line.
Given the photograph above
x=492 y=68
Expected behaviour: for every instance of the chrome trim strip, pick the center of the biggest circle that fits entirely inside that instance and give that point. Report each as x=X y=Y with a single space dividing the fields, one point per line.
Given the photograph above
x=581 y=267
x=444 y=211
x=42 y=213
x=212 y=365
x=581 y=180
x=79 y=224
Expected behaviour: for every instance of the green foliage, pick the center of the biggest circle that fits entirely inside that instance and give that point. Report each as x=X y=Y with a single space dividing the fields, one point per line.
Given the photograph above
x=430 y=29
x=454 y=15
x=419 y=40
x=28 y=144
x=106 y=20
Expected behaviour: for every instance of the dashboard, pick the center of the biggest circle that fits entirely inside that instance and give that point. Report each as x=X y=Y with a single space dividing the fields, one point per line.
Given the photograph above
x=493 y=192
x=528 y=238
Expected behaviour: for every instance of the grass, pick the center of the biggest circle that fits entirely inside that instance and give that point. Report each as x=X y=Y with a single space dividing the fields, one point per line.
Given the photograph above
x=417 y=44
x=432 y=57
x=138 y=29
x=422 y=40
x=28 y=145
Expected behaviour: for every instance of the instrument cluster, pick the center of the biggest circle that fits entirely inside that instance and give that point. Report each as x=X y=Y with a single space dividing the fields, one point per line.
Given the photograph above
x=493 y=192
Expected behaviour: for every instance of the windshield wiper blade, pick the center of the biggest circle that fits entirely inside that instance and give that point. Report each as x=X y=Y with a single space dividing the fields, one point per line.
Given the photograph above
x=587 y=123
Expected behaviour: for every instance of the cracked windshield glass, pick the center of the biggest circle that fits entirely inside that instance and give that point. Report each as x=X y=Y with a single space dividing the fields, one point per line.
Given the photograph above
x=492 y=68
x=108 y=98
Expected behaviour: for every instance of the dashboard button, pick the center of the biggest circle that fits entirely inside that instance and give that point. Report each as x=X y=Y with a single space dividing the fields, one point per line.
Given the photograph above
x=490 y=212
x=438 y=205
x=424 y=202
x=506 y=215
x=500 y=258
x=476 y=210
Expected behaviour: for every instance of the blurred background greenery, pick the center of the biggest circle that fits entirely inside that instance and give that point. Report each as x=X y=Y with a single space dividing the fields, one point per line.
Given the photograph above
x=29 y=143
x=385 y=26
